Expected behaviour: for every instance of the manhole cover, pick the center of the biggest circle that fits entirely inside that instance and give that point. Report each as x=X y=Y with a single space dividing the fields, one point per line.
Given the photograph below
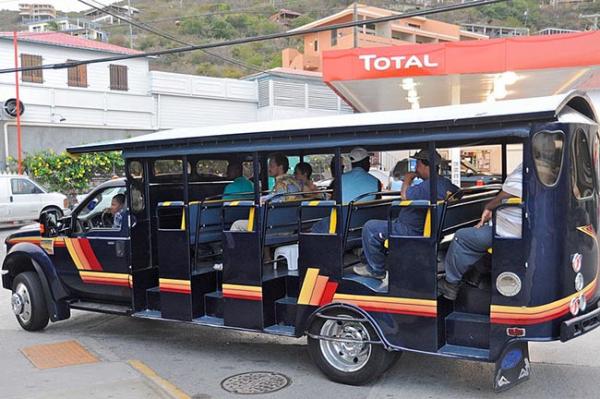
x=255 y=382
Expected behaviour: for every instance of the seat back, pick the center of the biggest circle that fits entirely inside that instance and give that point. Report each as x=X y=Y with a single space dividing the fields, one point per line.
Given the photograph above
x=357 y=214
x=281 y=222
x=465 y=207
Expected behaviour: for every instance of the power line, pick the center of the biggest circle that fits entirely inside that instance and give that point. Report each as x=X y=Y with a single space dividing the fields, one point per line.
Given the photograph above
x=271 y=36
x=166 y=35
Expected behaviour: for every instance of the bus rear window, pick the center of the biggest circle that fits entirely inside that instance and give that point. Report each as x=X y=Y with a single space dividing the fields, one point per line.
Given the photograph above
x=583 y=170
x=164 y=167
x=212 y=167
x=547 y=155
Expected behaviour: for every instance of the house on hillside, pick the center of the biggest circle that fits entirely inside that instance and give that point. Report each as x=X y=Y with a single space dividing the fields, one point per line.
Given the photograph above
x=30 y=12
x=400 y=32
x=74 y=27
x=99 y=16
x=284 y=17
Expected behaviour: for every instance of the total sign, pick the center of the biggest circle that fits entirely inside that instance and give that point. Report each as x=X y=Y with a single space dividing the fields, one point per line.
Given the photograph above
x=372 y=61
x=383 y=62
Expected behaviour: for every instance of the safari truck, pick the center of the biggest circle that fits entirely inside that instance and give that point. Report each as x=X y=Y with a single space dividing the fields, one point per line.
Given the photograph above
x=176 y=257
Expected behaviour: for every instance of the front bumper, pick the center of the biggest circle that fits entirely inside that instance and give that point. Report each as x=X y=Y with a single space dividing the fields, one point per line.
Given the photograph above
x=577 y=326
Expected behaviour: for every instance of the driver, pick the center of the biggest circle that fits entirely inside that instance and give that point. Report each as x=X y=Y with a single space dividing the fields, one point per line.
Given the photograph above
x=117 y=210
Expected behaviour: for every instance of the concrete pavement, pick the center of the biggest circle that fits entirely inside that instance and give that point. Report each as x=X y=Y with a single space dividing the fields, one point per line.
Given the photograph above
x=196 y=359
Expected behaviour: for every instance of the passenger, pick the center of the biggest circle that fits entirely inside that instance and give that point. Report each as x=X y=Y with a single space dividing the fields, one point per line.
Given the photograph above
x=356 y=182
x=284 y=183
x=471 y=244
x=117 y=209
x=239 y=185
x=302 y=174
x=408 y=223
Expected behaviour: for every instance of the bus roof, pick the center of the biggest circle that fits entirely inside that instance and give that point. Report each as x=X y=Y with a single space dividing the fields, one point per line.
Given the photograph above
x=345 y=130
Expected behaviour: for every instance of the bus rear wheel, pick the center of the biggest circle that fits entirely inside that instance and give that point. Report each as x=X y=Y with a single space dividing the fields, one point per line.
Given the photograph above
x=343 y=349
x=28 y=302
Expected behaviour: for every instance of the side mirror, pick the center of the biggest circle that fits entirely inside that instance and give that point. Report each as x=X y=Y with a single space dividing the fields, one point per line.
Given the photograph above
x=48 y=224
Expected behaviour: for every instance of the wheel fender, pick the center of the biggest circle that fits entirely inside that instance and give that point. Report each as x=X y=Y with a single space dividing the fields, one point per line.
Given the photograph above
x=54 y=290
x=344 y=306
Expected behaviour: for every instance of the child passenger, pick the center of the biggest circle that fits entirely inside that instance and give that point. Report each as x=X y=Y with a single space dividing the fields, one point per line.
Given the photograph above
x=302 y=173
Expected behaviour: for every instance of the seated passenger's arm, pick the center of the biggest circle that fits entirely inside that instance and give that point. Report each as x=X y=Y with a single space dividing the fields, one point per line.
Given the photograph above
x=486 y=215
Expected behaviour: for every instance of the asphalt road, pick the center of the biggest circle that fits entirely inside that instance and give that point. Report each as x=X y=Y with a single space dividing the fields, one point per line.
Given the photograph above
x=196 y=359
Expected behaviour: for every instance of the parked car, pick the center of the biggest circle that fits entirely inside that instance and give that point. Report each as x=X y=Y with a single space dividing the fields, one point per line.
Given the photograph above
x=23 y=199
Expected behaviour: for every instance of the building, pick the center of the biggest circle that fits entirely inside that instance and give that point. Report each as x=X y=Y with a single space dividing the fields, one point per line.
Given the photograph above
x=74 y=27
x=284 y=17
x=36 y=12
x=100 y=16
x=555 y=31
x=95 y=102
x=394 y=33
x=493 y=31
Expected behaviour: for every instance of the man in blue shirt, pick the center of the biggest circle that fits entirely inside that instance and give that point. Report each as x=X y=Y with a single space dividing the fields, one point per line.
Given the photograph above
x=356 y=182
x=239 y=184
x=410 y=220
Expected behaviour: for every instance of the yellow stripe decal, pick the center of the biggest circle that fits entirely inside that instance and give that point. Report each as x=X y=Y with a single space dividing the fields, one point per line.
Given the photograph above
x=167 y=203
x=183 y=219
x=251 y=219
x=73 y=253
x=252 y=288
x=307 y=286
x=333 y=221
x=515 y=201
x=490 y=250
x=427 y=227
x=118 y=276
x=234 y=203
x=398 y=300
x=183 y=283
x=313 y=203
x=386 y=243
x=405 y=202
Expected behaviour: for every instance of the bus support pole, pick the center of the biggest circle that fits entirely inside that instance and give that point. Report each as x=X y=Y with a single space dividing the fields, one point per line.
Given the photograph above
x=18 y=105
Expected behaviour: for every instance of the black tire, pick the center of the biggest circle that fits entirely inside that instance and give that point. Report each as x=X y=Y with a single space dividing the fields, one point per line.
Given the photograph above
x=379 y=359
x=38 y=318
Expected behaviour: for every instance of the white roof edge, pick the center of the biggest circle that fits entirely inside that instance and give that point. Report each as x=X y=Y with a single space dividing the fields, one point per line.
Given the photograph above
x=453 y=112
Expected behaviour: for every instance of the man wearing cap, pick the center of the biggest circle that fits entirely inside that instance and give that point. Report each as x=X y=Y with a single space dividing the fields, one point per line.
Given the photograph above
x=356 y=182
x=409 y=222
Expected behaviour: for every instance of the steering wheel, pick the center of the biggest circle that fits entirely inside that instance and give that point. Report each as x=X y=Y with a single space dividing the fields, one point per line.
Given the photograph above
x=107 y=218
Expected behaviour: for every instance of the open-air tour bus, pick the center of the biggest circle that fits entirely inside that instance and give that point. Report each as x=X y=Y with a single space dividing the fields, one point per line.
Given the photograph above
x=175 y=257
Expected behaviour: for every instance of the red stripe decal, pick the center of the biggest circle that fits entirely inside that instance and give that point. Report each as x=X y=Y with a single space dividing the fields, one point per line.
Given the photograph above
x=329 y=292
x=241 y=296
x=86 y=247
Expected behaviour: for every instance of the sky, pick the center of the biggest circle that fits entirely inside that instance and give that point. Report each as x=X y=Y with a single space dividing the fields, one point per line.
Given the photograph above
x=61 y=5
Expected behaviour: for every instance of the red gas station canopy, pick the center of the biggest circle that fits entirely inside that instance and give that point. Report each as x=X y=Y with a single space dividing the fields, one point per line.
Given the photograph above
x=424 y=75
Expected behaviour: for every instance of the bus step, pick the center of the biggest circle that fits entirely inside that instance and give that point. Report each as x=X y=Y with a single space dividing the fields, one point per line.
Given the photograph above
x=209 y=321
x=213 y=304
x=465 y=352
x=473 y=300
x=278 y=329
x=101 y=307
x=153 y=298
x=468 y=329
x=285 y=310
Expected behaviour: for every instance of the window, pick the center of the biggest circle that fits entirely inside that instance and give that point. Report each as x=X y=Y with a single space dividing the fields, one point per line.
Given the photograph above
x=583 y=171
x=24 y=186
x=547 y=154
x=414 y=26
x=118 y=77
x=316 y=45
x=210 y=167
x=77 y=76
x=35 y=76
x=136 y=170
x=334 y=36
x=164 y=167
x=370 y=29
x=106 y=210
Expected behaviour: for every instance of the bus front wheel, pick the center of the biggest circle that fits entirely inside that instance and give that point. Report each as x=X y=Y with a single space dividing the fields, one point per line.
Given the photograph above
x=28 y=302
x=344 y=349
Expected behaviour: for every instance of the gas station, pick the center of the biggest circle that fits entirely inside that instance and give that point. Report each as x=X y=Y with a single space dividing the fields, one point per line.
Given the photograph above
x=453 y=73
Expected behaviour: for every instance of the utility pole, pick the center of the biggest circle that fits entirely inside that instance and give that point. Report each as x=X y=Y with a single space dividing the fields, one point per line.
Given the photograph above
x=592 y=17
x=129 y=13
x=355 y=29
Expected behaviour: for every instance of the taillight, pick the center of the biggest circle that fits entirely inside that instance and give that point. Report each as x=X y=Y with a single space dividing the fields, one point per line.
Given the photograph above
x=479 y=183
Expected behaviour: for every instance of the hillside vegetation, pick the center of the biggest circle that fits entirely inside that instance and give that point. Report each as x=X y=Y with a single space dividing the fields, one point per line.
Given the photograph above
x=197 y=22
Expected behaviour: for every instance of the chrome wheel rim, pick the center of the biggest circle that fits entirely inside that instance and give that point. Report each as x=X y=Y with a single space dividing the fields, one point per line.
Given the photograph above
x=21 y=303
x=345 y=356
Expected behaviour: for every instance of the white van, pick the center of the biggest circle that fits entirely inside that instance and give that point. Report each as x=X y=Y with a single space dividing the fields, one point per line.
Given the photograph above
x=23 y=199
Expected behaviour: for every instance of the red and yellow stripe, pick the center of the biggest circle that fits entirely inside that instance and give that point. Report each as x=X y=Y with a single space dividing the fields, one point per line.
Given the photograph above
x=175 y=286
x=82 y=254
x=318 y=291
x=522 y=315
x=247 y=292
x=93 y=277
x=57 y=241
x=516 y=315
